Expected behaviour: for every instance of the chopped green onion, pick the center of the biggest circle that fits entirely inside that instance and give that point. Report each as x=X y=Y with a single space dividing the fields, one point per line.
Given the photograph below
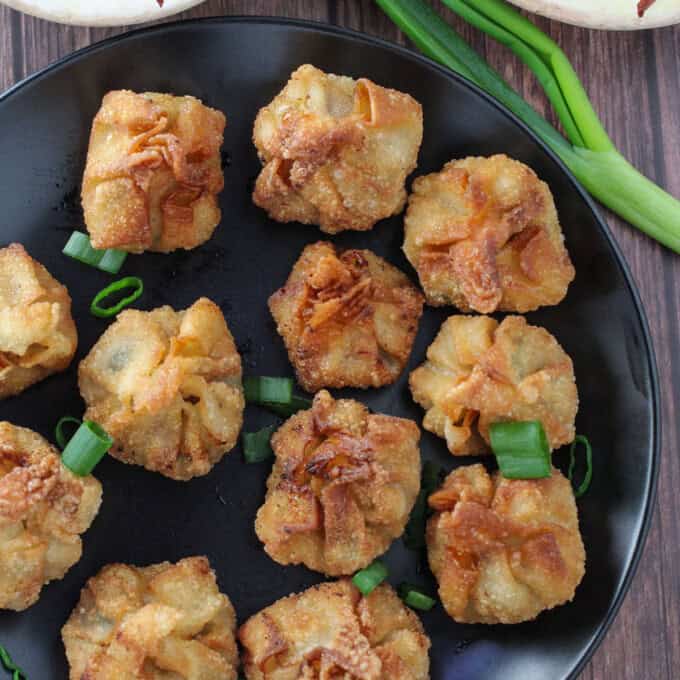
x=79 y=248
x=287 y=410
x=9 y=665
x=133 y=282
x=265 y=390
x=414 y=534
x=256 y=445
x=521 y=449
x=59 y=433
x=367 y=580
x=416 y=598
x=86 y=448
x=585 y=484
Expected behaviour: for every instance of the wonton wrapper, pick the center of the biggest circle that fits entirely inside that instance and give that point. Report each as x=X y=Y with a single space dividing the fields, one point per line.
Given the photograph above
x=44 y=508
x=333 y=631
x=157 y=622
x=335 y=151
x=153 y=172
x=503 y=550
x=37 y=333
x=479 y=372
x=483 y=235
x=166 y=386
x=342 y=486
x=348 y=318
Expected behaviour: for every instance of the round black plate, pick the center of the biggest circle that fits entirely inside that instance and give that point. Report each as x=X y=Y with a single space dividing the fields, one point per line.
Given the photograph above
x=237 y=65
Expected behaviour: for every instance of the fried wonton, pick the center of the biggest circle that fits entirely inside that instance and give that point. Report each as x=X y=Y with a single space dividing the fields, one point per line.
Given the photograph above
x=166 y=386
x=335 y=151
x=153 y=172
x=348 y=318
x=342 y=486
x=157 y=622
x=504 y=550
x=479 y=372
x=37 y=333
x=483 y=235
x=333 y=631
x=44 y=508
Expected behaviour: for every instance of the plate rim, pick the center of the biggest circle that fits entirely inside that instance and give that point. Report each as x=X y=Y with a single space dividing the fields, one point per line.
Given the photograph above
x=325 y=28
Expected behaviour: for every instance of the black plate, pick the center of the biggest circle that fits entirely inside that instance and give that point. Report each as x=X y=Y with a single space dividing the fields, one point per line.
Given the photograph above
x=237 y=65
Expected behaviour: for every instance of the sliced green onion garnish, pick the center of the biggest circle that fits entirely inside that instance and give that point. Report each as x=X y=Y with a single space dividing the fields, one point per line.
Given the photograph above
x=59 y=435
x=79 y=248
x=86 y=448
x=9 y=665
x=133 y=282
x=267 y=391
x=416 y=598
x=585 y=484
x=256 y=446
x=367 y=580
x=521 y=449
x=287 y=410
x=414 y=534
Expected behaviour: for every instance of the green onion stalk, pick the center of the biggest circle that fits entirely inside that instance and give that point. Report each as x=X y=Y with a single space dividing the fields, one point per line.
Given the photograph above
x=588 y=152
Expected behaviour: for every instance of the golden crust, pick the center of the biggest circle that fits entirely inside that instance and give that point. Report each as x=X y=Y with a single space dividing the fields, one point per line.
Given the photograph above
x=342 y=486
x=504 y=550
x=479 y=372
x=348 y=318
x=166 y=386
x=43 y=510
x=37 y=333
x=164 y=620
x=153 y=172
x=332 y=631
x=335 y=151
x=483 y=235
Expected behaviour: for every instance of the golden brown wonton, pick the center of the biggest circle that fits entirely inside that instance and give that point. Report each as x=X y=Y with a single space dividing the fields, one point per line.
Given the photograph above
x=43 y=510
x=335 y=151
x=479 y=372
x=342 y=486
x=37 y=333
x=332 y=631
x=153 y=172
x=158 y=622
x=348 y=318
x=504 y=550
x=166 y=386
x=483 y=234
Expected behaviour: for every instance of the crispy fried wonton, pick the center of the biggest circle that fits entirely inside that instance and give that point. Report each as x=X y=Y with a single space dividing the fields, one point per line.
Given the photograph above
x=153 y=172
x=342 y=486
x=479 y=372
x=166 y=386
x=483 y=235
x=158 y=622
x=348 y=318
x=43 y=510
x=335 y=151
x=333 y=631
x=37 y=333
x=503 y=550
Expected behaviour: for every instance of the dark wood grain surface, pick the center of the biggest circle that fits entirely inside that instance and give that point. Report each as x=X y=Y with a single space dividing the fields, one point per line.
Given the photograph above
x=634 y=81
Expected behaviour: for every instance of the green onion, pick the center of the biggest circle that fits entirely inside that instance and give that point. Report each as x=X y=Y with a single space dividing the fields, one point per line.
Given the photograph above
x=591 y=155
x=585 y=484
x=256 y=446
x=415 y=598
x=9 y=665
x=133 y=282
x=265 y=390
x=414 y=534
x=79 y=248
x=367 y=580
x=86 y=448
x=521 y=449
x=287 y=410
x=59 y=433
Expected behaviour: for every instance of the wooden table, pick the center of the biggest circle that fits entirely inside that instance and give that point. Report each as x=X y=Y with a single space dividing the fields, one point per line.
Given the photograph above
x=634 y=81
